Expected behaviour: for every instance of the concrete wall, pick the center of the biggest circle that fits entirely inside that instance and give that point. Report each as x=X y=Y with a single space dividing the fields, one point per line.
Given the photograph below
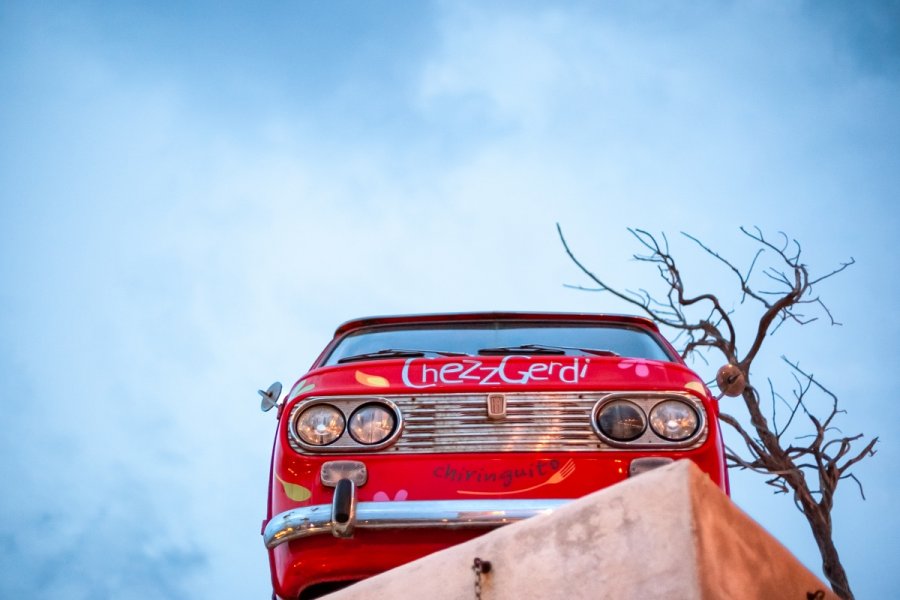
x=669 y=533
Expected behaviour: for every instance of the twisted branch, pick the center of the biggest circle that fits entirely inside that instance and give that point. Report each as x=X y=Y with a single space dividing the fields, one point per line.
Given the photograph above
x=701 y=323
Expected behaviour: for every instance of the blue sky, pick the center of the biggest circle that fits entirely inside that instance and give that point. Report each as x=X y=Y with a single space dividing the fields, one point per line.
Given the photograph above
x=193 y=195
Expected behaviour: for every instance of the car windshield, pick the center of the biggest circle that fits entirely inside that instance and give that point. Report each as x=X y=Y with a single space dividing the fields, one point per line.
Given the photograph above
x=493 y=338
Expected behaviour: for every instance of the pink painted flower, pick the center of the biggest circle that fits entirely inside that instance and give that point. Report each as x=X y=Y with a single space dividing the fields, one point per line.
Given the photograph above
x=383 y=497
x=641 y=368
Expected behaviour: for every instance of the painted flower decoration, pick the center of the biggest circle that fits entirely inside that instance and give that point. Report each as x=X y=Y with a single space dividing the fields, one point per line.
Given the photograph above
x=400 y=496
x=641 y=367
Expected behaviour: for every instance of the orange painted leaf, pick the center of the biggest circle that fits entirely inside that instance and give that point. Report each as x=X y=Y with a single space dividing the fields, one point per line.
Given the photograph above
x=371 y=380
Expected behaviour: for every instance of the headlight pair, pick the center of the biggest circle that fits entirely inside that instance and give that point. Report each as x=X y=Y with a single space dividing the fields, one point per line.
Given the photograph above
x=322 y=424
x=624 y=421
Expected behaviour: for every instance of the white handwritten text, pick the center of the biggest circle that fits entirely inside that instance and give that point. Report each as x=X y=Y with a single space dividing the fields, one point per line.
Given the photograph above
x=418 y=373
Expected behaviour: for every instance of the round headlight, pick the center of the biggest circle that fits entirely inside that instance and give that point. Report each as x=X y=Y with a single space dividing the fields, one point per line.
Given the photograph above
x=372 y=424
x=320 y=425
x=621 y=420
x=674 y=420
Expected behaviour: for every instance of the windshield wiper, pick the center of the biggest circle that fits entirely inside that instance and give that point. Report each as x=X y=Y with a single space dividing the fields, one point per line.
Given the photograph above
x=530 y=349
x=397 y=353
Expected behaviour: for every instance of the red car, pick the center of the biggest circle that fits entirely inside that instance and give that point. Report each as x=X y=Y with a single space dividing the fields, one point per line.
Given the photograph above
x=411 y=434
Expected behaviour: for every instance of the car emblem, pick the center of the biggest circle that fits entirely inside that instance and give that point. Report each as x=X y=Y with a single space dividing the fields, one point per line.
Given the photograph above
x=496 y=406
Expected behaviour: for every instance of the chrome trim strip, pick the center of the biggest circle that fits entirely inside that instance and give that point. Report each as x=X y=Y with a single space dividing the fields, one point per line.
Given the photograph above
x=307 y=521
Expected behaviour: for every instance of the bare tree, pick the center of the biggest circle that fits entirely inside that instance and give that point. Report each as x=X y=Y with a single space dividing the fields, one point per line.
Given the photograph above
x=809 y=466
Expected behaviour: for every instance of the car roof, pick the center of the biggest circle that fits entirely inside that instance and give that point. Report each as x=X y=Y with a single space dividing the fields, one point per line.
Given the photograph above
x=475 y=317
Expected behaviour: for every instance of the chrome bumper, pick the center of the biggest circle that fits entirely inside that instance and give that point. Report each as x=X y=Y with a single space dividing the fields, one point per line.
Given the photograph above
x=307 y=521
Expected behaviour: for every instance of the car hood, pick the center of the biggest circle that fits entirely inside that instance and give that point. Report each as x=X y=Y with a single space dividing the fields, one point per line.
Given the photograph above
x=472 y=374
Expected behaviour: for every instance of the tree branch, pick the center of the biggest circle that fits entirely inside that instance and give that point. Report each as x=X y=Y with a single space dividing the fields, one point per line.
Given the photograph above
x=824 y=455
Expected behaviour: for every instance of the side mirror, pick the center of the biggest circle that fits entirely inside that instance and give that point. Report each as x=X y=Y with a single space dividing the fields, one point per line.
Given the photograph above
x=731 y=380
x=270 y=396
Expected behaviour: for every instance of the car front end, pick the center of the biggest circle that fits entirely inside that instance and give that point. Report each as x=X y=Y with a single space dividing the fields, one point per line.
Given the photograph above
x=385 y=455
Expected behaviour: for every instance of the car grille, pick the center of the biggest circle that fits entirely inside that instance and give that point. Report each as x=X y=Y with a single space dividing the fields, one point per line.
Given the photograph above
x=459 y=423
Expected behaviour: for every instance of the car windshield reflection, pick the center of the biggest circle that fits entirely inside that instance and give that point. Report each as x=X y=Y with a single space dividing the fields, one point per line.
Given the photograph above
x=497 y=338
